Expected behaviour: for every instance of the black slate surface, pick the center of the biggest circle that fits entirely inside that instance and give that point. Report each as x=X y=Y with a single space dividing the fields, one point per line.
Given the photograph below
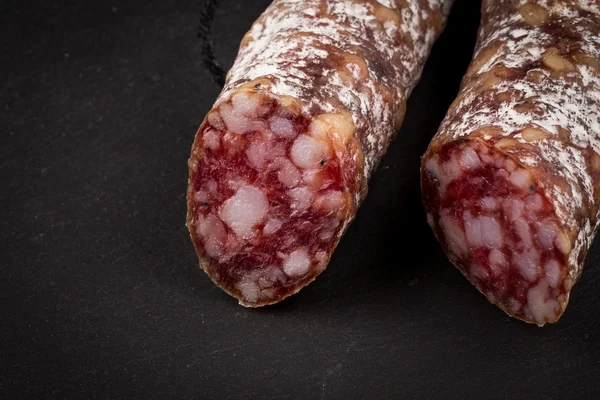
x=101 y=295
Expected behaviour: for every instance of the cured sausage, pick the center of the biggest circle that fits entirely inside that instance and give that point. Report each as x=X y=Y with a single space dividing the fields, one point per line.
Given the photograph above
x=281 y=163
x=511 y=182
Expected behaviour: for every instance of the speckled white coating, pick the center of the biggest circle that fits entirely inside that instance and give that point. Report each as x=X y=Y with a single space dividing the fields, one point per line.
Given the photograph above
x=345 y=67
x=528 y=92
x=293 y=37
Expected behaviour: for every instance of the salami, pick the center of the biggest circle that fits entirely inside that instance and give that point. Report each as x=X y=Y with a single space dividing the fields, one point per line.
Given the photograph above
x=281 y=163
x=511 y=182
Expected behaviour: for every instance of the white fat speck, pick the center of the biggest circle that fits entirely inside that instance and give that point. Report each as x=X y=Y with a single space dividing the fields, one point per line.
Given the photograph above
x=250 y=291
x=301 y=197
x=543 y=309
x=297 y=263
x=244 y=210
x=282 y=127
x=307 y=152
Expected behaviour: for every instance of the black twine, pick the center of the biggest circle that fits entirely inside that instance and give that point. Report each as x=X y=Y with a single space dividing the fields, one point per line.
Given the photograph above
x=205 y=35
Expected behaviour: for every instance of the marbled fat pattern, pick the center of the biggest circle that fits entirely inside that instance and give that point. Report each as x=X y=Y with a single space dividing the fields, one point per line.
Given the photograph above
x=315 y=96
x=533 y=90
x=300 y=47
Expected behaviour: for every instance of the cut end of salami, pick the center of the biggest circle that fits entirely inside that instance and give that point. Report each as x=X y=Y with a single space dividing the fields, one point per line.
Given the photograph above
x=267 y=202
x=282 y=162
x=498 y=227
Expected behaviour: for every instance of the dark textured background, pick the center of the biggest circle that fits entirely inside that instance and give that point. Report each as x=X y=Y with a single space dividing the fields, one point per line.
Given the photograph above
x=101 y=295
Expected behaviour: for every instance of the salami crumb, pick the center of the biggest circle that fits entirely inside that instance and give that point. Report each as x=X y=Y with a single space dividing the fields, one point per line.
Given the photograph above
x=511 y=182
x=281 y=163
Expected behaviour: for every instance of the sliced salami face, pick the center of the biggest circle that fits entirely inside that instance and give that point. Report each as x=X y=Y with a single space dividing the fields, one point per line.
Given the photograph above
x=511 y=182
x=281 y=163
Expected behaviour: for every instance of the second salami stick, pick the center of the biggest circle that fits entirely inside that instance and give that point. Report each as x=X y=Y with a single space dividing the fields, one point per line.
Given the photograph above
x=281 y=163
x=511 y=182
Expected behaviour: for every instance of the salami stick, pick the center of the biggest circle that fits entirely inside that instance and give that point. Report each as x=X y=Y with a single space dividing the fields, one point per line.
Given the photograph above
x=511 y=182
x=281 y=163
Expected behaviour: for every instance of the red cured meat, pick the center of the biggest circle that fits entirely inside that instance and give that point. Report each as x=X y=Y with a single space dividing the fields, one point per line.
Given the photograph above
x=281 y=163
x=511 y=182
